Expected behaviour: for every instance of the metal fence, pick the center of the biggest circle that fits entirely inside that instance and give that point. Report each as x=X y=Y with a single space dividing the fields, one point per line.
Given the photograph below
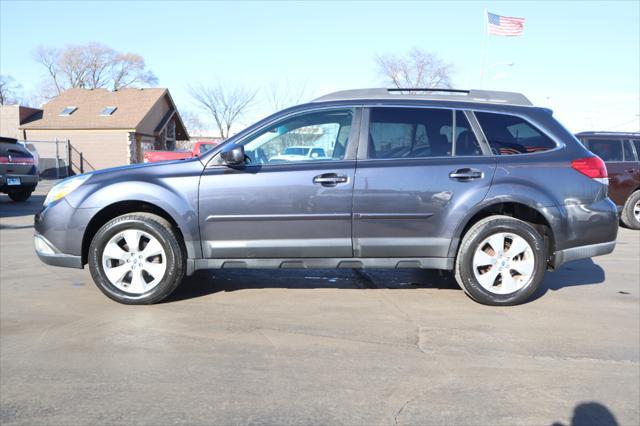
x=57 y=159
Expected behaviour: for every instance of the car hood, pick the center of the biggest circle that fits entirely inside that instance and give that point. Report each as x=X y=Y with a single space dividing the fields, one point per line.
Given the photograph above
x=140 y=167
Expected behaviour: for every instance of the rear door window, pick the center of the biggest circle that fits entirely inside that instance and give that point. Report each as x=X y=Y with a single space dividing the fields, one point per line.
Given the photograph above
x=420 y=133
x=607 y=149
x=509 y=135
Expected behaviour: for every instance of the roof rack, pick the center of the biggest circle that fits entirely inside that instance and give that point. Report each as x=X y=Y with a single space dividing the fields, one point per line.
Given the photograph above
x=483 y=96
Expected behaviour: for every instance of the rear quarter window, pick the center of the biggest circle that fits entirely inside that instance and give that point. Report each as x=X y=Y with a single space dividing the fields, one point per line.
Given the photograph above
x=510 y=135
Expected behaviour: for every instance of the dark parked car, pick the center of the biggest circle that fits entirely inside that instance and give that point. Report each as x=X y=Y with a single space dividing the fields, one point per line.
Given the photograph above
x=18 y=171
x=621 y=153
x=479 y=182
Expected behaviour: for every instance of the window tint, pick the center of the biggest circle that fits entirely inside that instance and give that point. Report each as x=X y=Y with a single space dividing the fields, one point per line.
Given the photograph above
x=204 y=148
x=628 y=151
x=636 y=143
x=307 y=137
x=419 y=133
x=607 y=149
x=508 y=134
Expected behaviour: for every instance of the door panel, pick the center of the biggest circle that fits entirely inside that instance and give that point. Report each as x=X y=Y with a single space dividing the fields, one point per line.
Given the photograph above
x=411 y=191
x=410 y=208
x=285 y=203
x=276 y=211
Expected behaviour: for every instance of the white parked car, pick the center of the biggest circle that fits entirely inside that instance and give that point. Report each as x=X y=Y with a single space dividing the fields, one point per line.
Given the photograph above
x=297 y=153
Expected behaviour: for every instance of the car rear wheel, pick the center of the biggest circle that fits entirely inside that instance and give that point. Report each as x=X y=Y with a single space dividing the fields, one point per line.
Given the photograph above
x=137 y=259
x=630 y=214
x=20 y=194
x=501 y=261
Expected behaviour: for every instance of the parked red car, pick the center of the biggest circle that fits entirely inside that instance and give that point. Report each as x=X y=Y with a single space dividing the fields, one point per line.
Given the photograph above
x=621 y=153
x=199 y=148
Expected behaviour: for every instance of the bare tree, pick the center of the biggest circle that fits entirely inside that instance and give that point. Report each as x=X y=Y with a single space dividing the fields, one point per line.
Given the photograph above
x=8 y=90
x=192 y=122
x=225 y=104
x=93 y=66
x=128 y=69
x=48 y=57
x=283 y=95
x=417 y=69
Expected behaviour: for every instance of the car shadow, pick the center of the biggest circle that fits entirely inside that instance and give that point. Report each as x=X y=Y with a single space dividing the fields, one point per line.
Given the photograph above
x=202 y=283
x=576 y=273
x=207 y=282
x=10 y=208
x=591 y=414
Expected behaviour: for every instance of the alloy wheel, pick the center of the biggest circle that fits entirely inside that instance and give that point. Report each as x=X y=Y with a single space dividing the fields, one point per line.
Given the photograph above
x=134 y=261
x=503 y=263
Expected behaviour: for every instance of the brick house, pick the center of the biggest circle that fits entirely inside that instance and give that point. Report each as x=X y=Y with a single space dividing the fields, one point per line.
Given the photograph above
x=109 y=128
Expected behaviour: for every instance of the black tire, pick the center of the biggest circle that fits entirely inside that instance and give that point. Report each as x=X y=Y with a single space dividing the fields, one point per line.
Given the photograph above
x=166 y=235
x=20 y=194
x=627 y=215
x=476 y=235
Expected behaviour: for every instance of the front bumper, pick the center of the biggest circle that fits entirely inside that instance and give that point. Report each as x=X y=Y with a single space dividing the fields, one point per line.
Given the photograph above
x=50 y=255
x=59 y=230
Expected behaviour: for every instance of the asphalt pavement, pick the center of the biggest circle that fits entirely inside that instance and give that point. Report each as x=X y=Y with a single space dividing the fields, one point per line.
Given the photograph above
x=316 y=346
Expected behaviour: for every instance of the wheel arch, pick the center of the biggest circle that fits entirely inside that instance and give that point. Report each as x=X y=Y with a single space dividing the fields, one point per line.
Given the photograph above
x=540 y=218
x=120 y=208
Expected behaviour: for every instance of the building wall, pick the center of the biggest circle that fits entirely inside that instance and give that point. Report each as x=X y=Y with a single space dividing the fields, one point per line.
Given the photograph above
x=11 y=116
x=100 y=148
x=154 y=117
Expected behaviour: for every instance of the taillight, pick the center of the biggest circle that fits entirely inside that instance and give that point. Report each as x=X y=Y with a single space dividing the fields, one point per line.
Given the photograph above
x=4 y=159
x=592 y=167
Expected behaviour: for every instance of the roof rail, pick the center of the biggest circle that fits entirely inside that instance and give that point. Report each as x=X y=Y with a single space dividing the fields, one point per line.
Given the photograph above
x=482 y=96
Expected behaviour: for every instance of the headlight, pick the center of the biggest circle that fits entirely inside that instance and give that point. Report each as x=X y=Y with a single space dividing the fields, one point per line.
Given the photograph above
x=64 y=188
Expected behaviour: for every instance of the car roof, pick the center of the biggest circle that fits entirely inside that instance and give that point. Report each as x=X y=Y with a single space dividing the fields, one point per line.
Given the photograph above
x=615 y=134
x=470 y=96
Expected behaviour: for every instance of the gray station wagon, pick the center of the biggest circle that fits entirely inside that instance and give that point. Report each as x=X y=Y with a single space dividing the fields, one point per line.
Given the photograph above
x=478 y=182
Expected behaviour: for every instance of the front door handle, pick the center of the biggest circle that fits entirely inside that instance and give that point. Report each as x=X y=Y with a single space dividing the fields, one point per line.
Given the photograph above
x=330 y=179
x=466 y=174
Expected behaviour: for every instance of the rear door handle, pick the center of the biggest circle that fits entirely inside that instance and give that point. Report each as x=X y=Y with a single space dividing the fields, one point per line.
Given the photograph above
x=466 y=174
x=330 y=179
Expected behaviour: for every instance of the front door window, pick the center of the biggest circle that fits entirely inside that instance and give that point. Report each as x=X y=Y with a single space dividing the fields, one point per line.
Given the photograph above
x=317 y=136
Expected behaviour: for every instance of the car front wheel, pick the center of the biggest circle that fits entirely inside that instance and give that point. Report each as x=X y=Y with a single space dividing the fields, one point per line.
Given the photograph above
x=501 y=261
x=137 y=258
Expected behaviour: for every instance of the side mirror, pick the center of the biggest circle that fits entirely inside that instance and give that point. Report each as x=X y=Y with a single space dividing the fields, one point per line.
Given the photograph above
x=233 y=155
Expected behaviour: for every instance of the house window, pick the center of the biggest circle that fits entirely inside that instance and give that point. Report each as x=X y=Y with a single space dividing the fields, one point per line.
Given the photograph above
x=108 y=111
x=68 y=111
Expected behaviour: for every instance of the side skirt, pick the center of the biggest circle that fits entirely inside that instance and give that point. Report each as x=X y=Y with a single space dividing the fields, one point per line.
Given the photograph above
x=324 y=263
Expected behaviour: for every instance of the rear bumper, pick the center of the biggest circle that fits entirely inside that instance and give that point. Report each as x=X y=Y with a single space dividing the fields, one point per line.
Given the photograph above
x=26 y=181
x=50 y=254
x=582 y=252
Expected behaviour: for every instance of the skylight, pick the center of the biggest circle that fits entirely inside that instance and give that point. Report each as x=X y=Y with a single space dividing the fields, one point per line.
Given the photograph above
x=68 y=111
x=108 y=110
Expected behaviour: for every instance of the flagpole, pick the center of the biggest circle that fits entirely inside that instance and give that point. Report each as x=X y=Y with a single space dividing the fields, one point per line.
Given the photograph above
x=483 y=59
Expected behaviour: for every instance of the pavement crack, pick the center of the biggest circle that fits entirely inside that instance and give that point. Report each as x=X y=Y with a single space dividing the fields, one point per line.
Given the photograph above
x=407 y=402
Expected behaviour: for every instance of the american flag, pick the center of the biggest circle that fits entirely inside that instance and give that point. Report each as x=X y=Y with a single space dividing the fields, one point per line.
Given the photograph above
x=504 y=25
